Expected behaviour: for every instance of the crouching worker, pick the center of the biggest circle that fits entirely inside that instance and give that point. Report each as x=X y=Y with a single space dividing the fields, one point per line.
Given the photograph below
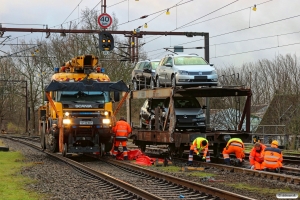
x=199 y=144
x=272 y=157
x=122 y=130
x=234 y=145
x=256 y=158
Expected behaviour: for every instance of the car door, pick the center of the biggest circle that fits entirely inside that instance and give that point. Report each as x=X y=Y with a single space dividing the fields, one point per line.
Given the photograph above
x=147 y=72
x=168 y=70
x=160 y=71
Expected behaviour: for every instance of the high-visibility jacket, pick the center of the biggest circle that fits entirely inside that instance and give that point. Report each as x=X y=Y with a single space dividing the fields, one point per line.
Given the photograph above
x=122 y=130
x=257 y=156
x=272 y=156
x=198 y=147
x=235 y=142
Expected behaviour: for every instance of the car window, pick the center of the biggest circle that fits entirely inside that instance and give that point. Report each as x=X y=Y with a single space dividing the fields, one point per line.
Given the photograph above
x=163 y=62
x=137 y=65
x=154 y=64
x=169 y=61
x=142 y=65
x=147 y=65
x=183 y=102
x=189 y=60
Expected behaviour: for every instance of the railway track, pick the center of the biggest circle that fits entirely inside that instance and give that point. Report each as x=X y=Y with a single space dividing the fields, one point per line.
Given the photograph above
x=157 y=188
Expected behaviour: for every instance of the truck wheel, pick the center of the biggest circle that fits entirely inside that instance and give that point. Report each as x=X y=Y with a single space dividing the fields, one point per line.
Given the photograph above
x=52 y=143
x=65 y=150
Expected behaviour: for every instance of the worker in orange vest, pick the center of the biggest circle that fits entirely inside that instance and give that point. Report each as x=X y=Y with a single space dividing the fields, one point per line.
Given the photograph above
x=272 y=157
x=256 y=158
x=234 y=145
x=199 y=144
x=121 y=130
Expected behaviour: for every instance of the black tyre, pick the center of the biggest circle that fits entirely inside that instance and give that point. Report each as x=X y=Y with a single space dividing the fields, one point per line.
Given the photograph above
x=43 y=143
x=173 y=81
x=135 y=85
x=152 y=84
x=65 y=150
x=157 y=83
x=52 y=143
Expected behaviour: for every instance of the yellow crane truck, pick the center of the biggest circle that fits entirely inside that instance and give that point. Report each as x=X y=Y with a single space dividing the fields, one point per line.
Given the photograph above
x=78 y=113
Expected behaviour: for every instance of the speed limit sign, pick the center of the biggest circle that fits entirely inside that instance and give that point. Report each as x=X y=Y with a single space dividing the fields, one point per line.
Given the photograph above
x=104 y=20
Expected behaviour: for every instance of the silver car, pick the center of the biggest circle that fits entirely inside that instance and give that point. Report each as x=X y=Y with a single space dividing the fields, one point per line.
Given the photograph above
x=185 y=70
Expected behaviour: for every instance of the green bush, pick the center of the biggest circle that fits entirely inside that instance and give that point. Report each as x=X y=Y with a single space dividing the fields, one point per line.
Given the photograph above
x=13 y=128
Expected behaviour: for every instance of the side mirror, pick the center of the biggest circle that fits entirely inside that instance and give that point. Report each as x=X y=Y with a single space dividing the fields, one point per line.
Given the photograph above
x=116 y=96
x=204 y=107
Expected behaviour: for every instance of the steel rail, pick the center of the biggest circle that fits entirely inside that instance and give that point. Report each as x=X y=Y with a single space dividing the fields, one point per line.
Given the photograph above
x=196 y=186
x=128 y=187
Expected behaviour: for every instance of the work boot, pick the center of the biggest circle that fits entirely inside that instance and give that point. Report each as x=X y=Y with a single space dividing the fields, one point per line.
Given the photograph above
x=227 y=161
x=277 y=170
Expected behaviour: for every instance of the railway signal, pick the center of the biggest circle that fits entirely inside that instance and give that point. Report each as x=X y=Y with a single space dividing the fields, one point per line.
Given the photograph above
x=106 y=41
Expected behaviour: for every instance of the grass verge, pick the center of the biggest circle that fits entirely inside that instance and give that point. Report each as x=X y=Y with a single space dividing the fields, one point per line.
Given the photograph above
x=12 y=183
x=259 y=189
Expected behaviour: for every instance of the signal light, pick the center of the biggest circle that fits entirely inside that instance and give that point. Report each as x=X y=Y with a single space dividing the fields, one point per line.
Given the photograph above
x=106 y=41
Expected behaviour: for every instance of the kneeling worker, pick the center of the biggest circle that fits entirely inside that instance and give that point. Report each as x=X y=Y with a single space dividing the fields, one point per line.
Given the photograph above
x=234 y=145
x=199 y=144
x=256 y=158
x=272 y=157
x=122 y=130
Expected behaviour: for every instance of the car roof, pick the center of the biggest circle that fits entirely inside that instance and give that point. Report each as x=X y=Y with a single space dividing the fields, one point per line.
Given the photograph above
x=153 y=60
x=181 y=55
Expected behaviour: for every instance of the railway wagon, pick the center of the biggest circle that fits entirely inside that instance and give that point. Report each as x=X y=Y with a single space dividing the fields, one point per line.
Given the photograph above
x=179 y=140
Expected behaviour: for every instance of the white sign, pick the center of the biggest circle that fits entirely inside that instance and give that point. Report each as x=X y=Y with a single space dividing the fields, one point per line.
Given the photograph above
x=105 y=53
x=104 y=20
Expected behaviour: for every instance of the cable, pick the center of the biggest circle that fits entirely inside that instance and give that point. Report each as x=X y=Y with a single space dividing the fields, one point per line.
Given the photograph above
x=185 y=26
x=196 y=19
x=157 y=12
x=72 y=11
x=117 y=3
x=256 y=50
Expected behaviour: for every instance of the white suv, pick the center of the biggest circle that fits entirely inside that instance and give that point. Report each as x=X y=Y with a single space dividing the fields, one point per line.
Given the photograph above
x=185 y=70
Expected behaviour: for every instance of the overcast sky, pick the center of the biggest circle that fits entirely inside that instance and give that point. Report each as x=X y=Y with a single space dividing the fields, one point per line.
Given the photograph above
x=275 y=22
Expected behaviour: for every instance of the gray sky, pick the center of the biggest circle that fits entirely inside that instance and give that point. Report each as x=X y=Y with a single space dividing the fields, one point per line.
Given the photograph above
x=270 y=19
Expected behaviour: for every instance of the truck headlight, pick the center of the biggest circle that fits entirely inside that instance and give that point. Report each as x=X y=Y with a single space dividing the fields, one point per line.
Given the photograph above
x=66 y=121
x=106 y=113
x=106 y=121
x=67 y=114
x=200 y=115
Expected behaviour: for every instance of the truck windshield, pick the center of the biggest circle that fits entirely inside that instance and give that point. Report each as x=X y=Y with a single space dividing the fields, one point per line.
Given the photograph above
x=95 y=96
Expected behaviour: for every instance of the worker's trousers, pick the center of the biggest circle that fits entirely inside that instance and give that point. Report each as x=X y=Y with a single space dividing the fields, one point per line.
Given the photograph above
x=116 y=146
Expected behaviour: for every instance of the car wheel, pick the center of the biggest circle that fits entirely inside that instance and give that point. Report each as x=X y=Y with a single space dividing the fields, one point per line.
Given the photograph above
x=173 y=81
x=135 y=86
x=152 y=84
x=141 y=124
x=157 y=82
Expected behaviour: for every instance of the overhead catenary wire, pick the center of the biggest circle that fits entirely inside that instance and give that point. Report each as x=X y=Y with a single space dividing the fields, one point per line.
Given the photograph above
x=197 y=19
x=72 y=11
x=156 y=12
x=256 y=50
